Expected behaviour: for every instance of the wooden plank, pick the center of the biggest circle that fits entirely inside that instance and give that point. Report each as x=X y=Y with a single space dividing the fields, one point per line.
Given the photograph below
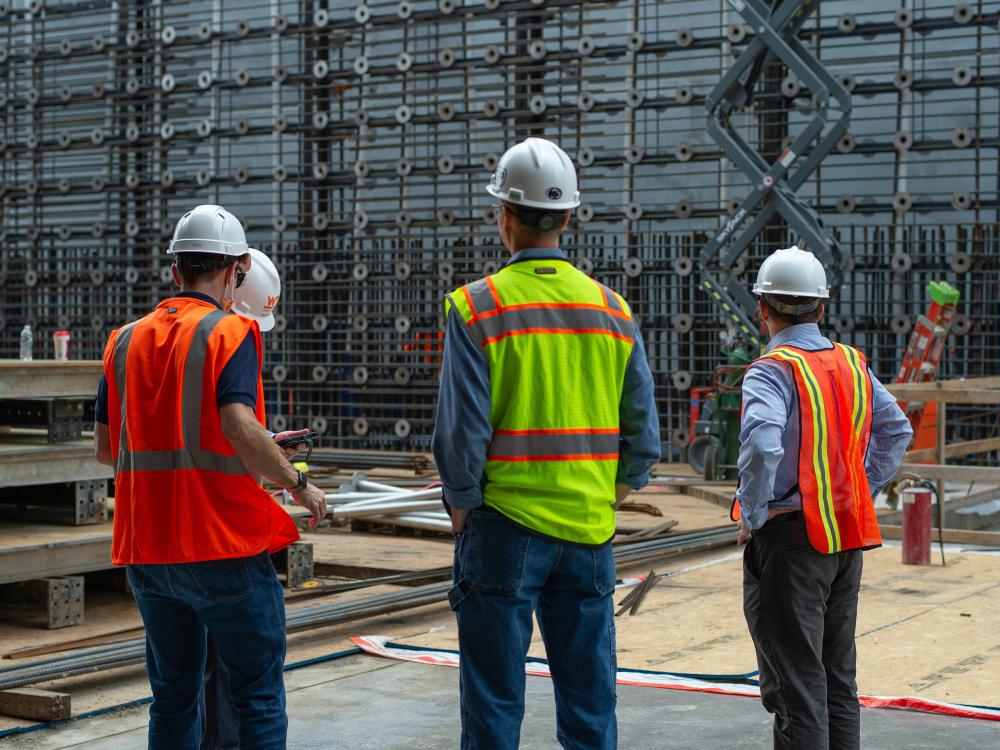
x=955 y=450
x=955 y=384
x=956 y=473
x=965 y=501
x=951 y=536
x=31 y=703
x=48 y=378
x=972 y=391
x=30 y=652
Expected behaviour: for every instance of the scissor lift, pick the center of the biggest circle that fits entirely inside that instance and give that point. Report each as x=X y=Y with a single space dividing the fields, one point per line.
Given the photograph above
x=774 y=185
x=714 y=447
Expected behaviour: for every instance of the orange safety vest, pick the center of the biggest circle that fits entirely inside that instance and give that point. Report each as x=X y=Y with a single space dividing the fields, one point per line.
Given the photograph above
x=181 y=492
x=835 y=420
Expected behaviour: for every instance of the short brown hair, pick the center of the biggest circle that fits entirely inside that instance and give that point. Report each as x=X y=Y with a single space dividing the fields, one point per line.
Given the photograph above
x=787 y=299
x=194 y=266
x=537 y=220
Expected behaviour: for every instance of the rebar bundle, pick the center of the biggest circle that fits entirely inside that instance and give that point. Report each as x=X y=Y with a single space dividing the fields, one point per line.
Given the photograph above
x=132 y=651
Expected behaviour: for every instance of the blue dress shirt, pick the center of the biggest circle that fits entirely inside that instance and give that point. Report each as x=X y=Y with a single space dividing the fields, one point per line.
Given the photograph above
x=462 y=430
x=769 y=432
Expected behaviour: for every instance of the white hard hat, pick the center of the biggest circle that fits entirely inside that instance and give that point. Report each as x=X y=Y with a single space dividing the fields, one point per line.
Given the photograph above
x=536 y=173
x=209 y=229
x=795 y=272
x=260 y=291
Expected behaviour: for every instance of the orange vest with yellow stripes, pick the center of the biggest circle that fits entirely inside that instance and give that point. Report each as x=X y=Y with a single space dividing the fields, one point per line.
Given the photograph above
x=557 y=344
x=181 y=492
x=834 y=392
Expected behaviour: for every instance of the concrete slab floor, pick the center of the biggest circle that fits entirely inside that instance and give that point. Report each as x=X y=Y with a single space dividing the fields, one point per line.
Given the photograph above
x=364 y=703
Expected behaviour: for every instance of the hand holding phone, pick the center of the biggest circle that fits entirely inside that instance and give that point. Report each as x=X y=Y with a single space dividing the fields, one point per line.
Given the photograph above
x=287 y=442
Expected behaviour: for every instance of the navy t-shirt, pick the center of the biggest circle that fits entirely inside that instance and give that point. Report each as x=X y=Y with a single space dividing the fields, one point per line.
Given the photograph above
x=237 y=383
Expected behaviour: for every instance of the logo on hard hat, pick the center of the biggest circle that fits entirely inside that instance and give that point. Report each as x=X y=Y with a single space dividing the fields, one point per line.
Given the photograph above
x=554 y=193
x=272 y=302
x=500 y=176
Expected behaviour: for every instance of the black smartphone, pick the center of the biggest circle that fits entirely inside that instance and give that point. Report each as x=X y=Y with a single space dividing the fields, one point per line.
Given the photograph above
x=295 y=440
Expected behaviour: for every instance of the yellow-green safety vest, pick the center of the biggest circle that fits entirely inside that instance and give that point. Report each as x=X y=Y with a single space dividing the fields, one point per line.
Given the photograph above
x=557 y=343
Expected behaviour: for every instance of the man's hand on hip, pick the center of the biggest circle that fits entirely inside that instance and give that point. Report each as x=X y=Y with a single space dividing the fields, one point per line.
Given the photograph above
x=458 y=520
x=622 y=491
x=313 y=499
x=743 y=533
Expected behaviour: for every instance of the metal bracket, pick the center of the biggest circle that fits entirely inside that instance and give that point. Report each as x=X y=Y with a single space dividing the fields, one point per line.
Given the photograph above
x=59 y=600
x=295 y=563
x=74 y=503
x=62 y=417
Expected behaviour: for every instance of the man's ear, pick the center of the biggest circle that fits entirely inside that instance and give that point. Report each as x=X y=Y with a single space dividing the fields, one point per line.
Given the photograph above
x=822 y=309
x=566 y=219
x=503 y=224
x=176 y=275
x=762 y=307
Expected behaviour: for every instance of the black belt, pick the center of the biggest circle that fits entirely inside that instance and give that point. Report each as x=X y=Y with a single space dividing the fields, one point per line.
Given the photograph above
x=794 y=516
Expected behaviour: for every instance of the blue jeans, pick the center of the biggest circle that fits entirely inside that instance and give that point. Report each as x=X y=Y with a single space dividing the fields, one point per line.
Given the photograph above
x=503 y=574
x=240 y=602
x=219 y=718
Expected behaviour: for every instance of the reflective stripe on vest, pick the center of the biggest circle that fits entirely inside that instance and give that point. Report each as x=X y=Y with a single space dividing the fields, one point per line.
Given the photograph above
x=554 y=445
x=518 y=320
x=183 y=496
x=834 y=397
x=557 y=344
x=191 y=456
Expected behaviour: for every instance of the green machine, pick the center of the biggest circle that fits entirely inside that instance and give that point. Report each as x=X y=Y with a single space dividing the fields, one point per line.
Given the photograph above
x=715 y=414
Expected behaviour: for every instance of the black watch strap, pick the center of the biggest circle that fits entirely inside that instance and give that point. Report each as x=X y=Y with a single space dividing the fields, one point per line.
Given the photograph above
x=303 y=481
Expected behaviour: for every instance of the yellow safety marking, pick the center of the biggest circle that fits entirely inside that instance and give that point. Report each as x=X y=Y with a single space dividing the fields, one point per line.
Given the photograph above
x=821 y=466
x=301 y=466
x=861 y=393
x=860 y=409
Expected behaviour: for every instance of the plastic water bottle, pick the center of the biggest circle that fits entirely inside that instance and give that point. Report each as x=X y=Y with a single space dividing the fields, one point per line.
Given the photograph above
x=26 y=341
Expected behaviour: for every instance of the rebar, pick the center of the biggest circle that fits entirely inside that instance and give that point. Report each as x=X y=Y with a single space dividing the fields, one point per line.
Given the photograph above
x=132 y=651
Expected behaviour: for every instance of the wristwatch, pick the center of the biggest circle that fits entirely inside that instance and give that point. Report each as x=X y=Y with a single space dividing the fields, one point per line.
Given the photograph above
x=303 y=481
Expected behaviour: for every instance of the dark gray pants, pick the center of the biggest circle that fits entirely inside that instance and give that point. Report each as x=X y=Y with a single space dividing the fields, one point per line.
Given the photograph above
x=801 y=607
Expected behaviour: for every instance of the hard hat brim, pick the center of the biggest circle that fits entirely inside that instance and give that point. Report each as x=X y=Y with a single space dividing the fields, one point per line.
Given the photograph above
x=825 y=294
x=266 y=322
x=211 y=247
x=548 y=206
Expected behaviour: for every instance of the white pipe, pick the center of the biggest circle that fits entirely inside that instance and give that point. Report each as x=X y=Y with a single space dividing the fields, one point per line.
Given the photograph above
x=415 y=522
x=356 y=510
x=366 y=485
x=432 y=494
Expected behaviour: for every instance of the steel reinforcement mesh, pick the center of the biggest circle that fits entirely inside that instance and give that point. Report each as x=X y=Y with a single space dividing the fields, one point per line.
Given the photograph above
x=355 y=140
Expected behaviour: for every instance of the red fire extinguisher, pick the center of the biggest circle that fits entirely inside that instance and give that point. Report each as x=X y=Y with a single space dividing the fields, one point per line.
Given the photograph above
x=916 y=536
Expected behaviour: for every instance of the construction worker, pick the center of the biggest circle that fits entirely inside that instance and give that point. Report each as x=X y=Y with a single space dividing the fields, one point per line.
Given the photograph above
x=180 y=417
x=256 y=299
x=545 y=417
x=258 y=295
x=819 y=437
